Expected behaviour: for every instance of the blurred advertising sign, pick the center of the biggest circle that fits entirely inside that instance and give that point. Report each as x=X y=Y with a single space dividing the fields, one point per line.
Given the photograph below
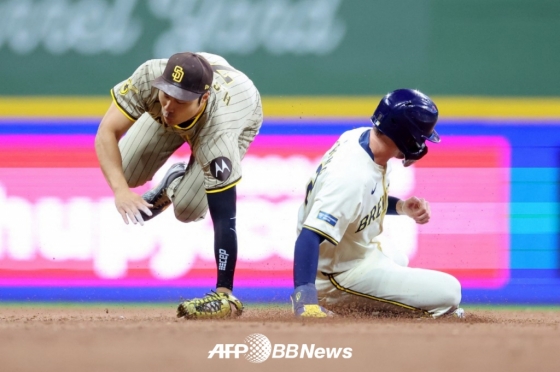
x=59 y=226
x=287 y=47
x=226 y=27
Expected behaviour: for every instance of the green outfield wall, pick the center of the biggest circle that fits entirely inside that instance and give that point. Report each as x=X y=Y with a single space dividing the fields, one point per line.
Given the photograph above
x=288 y=47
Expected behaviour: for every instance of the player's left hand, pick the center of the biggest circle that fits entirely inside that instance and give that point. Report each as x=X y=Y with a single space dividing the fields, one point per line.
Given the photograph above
x=418 y=209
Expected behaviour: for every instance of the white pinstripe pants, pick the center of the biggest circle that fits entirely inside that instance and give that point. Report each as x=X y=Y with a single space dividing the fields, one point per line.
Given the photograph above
x=146 y=147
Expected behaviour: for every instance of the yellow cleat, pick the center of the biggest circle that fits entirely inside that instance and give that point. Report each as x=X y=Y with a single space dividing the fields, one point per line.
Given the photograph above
x=213 y=305
x=313 y=311
x=304 y=303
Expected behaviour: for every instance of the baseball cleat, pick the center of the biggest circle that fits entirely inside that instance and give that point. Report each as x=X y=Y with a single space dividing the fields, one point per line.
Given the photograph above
x=158 y=196
x=304 y=303
x=314 y=311
x=213 y=305
x=459 y=313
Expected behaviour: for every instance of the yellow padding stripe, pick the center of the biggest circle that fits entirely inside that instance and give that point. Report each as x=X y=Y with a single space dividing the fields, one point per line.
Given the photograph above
x=324 y=235
x=457 y=107
x=213 y=191
x=120 y=108
x=303 y=106
x=54 y=106
x=344 y=289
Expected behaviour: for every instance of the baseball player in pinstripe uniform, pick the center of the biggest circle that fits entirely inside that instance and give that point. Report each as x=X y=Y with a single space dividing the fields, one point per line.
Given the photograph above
x=196 y=98
x=339 y=263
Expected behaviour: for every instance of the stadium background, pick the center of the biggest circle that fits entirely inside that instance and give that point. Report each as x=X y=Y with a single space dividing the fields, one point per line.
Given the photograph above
x=321 y=66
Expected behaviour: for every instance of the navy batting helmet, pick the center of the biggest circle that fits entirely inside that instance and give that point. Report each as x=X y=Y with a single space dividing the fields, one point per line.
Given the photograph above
x=407 y=117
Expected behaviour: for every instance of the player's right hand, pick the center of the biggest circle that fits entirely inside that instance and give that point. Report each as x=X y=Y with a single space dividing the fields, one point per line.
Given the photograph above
x=129 y=204
x=305 y=304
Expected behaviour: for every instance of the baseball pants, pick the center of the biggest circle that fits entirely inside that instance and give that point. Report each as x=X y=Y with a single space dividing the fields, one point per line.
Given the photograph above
x=378 y=283
x=146 y=147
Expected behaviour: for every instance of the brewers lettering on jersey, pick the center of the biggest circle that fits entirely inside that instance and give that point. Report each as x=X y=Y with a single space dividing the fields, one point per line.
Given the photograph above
x=200 y=99
x=338 y=258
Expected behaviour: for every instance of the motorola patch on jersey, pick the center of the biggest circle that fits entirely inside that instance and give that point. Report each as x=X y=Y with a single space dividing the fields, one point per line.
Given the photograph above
x=331 y=220
x=221 y=168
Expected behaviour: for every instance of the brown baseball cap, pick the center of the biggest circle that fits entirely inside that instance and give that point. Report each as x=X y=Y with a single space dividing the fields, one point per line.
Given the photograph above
x=186 y=77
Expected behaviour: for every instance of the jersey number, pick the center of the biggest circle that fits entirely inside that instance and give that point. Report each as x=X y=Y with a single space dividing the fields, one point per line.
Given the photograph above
x=224 y=72
x=311 y=183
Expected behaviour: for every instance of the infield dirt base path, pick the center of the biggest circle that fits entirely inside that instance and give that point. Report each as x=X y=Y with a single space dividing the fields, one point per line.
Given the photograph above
x=123 y=338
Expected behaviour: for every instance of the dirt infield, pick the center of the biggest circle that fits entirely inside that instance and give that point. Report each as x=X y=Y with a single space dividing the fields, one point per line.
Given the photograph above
x=125 y=338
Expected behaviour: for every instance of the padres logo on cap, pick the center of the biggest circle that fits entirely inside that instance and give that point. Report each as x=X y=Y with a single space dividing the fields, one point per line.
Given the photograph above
x=178 y=74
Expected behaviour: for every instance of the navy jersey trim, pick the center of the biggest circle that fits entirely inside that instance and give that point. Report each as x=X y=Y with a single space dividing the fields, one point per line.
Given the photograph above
x=364 y=142
x=324 y=235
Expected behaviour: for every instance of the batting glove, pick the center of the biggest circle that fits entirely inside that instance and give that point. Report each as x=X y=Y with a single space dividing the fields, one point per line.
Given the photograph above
x=305 y=304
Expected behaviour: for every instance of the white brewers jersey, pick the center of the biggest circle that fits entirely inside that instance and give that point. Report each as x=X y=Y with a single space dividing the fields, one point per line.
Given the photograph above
x=220 y=136
x=346 y=202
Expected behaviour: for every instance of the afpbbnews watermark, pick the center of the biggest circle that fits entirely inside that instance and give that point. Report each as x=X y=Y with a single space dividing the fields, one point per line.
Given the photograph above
x=258 y=348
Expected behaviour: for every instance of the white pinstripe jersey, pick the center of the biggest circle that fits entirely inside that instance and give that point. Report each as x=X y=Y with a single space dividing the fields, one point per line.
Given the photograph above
x=218 y=138
x=346 y=202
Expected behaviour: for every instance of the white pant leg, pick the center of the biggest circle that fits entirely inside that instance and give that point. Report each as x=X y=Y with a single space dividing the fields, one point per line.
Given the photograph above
x=378 y=283
x=398 y=257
